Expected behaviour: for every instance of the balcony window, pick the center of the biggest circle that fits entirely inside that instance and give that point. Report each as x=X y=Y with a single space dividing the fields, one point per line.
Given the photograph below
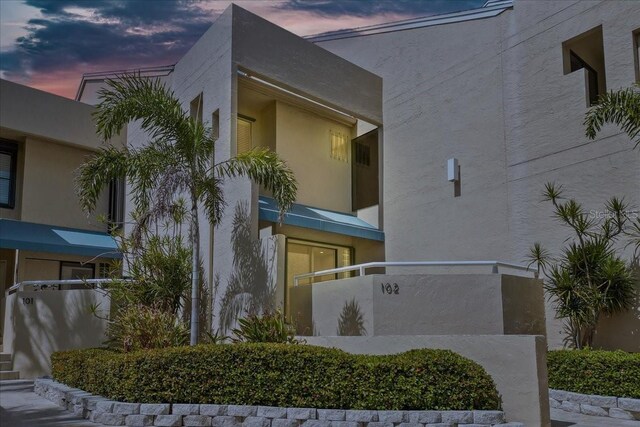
x=8 y=173
x=586 y=52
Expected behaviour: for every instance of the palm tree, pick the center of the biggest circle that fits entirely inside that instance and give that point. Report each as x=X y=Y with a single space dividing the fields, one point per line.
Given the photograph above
x=177 y=160
x=621 y=107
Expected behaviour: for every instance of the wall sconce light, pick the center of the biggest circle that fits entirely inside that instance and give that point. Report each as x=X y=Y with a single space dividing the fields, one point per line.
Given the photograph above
x=453 y=170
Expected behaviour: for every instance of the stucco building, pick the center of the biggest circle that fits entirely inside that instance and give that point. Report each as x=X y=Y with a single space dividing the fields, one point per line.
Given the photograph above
x=369 y=119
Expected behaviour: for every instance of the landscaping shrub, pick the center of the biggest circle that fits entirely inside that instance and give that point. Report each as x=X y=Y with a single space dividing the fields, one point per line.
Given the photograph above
x=281 y=375
x=269 y=327
x=139 y=327
x=607 y=373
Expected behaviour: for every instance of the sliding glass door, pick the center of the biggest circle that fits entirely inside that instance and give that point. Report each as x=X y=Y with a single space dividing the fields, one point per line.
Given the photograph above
x=306 y=257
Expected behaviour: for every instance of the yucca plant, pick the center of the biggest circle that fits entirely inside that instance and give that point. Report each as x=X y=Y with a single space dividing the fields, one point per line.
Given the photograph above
x=588 y=279
x=177 y=161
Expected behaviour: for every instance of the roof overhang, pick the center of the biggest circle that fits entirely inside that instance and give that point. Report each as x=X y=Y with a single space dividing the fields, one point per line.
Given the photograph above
x=50 y=238
x=319 y=219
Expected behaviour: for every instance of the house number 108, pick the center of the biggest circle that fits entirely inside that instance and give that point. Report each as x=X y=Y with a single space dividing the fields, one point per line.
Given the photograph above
x=390 y=289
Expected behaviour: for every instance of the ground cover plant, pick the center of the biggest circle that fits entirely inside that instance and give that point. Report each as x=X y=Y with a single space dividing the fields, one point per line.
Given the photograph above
x=281 y=375
x=605 y=373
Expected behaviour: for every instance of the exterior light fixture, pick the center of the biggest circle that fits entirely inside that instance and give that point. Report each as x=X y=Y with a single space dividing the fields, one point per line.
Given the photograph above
x=453 y=170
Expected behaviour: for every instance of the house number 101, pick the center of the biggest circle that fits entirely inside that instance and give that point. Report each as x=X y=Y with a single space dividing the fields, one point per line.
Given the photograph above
x=390 y=289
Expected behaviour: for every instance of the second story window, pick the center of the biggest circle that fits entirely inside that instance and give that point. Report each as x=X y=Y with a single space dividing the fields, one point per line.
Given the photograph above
x=586 y=52
x=245 y=135
x=8 y=173
x=339 y=146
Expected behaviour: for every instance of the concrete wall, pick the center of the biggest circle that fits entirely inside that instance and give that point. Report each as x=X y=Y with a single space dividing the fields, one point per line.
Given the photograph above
x=492 y=93
x=303 y=140
x=516 y=363
x=48 y=190
x=38 y=323
x=44 y=114
x=54 y=137
x=462 y=304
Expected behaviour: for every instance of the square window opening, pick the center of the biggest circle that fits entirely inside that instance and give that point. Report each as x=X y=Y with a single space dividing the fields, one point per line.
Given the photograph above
x=586 y=52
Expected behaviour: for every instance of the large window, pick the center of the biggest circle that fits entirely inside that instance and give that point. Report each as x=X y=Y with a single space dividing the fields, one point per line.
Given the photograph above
x=306 y=257
x=8 y=172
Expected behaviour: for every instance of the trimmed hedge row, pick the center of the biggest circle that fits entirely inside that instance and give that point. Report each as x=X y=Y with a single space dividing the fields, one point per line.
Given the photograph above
x=605 y=373
x=281 y=375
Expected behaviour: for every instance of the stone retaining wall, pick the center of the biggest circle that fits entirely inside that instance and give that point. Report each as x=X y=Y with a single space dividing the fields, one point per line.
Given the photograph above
x=101 y=410
x=601 y=406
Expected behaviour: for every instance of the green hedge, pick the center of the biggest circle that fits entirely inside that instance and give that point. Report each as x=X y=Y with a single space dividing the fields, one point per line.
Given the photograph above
x=281 y=375
x=606 y=373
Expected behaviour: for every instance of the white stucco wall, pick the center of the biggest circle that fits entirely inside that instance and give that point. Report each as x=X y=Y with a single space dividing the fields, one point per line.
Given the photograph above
x=493 y=94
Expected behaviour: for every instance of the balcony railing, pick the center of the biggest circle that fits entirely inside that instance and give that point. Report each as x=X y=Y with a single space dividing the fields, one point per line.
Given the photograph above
x=361 y=268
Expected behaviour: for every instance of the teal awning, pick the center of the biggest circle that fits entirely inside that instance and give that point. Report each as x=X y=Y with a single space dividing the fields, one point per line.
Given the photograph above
x=319 y=219
x=50 y=238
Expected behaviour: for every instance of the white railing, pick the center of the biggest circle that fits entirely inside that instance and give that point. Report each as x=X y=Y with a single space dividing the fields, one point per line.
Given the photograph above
x=361 y=268
x=51 y=284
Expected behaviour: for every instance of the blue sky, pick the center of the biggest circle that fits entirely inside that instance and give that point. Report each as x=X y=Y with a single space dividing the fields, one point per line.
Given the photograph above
x=48 y=44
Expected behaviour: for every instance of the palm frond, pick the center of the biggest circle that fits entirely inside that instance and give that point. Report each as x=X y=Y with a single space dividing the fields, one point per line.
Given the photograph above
x=265 y=168
x=130 y=97
x=97 y=172
x=621 y=107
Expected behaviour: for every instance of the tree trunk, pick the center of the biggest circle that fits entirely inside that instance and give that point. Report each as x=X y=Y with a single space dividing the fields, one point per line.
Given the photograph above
x=195 y=272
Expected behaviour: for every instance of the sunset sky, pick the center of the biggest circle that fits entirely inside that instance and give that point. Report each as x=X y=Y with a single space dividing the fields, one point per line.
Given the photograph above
x=49 y=44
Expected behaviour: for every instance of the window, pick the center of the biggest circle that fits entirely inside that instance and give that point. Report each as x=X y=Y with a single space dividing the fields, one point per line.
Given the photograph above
x=8 y=168
x=75 y=270
x=195 y=108
x=578 y=63
x=586 y=52
x=245 y=136
x=339 y=146
x=365 y=187
x=363 y=154
x=636 y=52
x=116 y=203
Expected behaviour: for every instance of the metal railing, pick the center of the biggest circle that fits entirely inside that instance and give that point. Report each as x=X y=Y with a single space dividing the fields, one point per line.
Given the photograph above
x=51 y=284
x=361 y=268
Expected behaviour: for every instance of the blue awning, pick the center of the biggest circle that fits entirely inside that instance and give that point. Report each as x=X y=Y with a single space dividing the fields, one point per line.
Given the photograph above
x=50 y=238
x=319 y=219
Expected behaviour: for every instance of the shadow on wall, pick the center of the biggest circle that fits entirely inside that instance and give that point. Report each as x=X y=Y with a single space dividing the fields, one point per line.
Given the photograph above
x=48 y=321
x=621 y=331
x=351 y=320
x=251 y=287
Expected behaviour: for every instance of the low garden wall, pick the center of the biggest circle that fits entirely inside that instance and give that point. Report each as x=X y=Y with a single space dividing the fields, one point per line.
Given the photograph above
x=601 y=406
x=101 y=410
